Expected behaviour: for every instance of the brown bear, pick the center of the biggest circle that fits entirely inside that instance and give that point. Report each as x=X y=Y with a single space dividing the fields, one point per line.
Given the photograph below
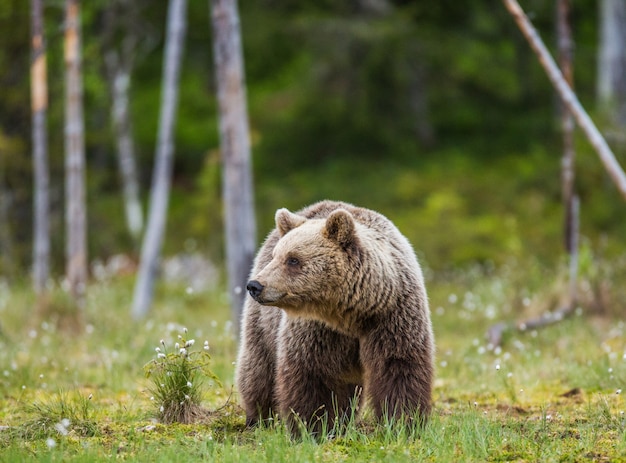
x=354 y=318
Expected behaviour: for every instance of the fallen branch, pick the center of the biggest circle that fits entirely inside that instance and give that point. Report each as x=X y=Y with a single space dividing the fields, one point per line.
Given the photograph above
x=495 y=333
x=568 y=96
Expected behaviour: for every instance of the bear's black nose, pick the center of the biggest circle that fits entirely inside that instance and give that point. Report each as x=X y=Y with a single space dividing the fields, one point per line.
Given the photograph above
x=254 y=288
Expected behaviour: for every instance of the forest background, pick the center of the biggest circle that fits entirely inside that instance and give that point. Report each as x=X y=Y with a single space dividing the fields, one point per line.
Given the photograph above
x=437 y=114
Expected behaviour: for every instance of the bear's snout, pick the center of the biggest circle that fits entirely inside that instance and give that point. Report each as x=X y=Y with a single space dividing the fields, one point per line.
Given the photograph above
x=254 y=288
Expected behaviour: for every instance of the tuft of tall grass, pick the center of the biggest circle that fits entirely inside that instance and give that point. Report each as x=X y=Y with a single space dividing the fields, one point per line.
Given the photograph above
x=178 y=379
x=61 y=415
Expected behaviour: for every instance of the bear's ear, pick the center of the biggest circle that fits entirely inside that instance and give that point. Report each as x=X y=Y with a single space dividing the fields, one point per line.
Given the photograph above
x=286 y=221
x=340 y=228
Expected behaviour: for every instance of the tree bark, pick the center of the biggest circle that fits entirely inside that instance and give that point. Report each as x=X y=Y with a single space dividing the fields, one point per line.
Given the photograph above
x=570 y=201
x=120 y=85
x=569 y=97
x=76 y=209
x=237 y=186
x=39 y=107
x=161 y=179
x=612 y=60
x=118 y=61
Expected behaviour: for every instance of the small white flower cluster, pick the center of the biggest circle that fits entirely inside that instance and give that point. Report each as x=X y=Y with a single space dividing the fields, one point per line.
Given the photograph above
x=181 y=349
x=62 y=427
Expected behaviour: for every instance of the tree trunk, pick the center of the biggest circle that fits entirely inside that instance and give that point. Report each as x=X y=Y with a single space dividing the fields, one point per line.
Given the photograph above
x=612 y=60
x=161 y=179
x=76 y=209
x=568 y=97
x=570 y=201
x=235 y=149
x=120 y=114
x=118 y=61
x=565 y=52
x=39 y=105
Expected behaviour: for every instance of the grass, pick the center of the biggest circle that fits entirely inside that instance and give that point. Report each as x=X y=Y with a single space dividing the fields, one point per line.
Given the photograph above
x=550 y=395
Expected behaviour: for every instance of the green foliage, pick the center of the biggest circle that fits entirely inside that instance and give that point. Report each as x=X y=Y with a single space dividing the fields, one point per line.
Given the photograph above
x=436 y=114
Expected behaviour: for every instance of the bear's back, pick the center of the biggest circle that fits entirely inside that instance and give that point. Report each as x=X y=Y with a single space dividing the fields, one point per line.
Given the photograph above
x=371 y=219
x=381 y=227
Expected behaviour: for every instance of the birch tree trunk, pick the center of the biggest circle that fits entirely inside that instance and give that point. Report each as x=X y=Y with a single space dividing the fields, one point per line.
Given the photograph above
x=161 y=178
x=612 y=60
x=75 y=205
x=568 y=97
x=118 y=61
x=120 y=84
x=240 y=226
x=39 y=106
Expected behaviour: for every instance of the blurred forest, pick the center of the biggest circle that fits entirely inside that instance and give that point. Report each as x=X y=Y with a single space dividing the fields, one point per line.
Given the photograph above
x=437 y=114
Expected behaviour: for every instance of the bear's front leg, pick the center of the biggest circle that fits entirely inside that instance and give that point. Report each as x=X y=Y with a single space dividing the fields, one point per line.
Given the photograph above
x=398 y=374
x=318 y=376
x=256 y=364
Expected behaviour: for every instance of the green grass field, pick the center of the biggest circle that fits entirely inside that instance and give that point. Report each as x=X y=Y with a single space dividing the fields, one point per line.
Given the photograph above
x=549 y=395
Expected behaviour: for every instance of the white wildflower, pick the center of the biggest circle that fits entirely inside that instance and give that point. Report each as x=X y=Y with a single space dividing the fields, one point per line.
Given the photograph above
x=189 y=343
x=61 y=429
x=51 y=443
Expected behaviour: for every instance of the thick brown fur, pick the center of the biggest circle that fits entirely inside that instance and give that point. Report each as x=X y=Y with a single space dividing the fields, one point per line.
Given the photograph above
x=354 y=315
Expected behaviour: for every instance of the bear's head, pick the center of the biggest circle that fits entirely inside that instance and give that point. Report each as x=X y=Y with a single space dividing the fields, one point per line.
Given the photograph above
x=311 y=263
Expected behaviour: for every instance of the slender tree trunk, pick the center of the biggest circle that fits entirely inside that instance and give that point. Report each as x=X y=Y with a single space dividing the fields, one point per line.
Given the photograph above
x=235 y=148
x=161 y=179
x=120 y=85
x=568 y=97
x=612 y=60
x=570 y=201
x=75 y=204
x=122 y=18
x=39 y=104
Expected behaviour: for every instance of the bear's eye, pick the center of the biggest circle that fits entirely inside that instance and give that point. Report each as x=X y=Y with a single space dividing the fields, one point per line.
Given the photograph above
x=293 y=261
